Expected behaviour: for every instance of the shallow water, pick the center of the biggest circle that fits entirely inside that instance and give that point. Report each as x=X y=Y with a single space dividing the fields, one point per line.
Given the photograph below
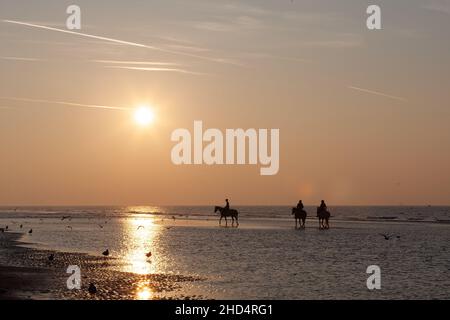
x=265 y=258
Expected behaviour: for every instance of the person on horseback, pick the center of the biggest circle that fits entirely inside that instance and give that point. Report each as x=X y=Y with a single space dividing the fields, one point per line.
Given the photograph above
x=227 y=206
x=323 y=206
x=300 y=205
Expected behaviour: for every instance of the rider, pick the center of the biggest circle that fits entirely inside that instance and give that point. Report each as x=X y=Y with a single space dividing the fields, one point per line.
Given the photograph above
x=300 y=205
x=227 y=206
x=323 y=206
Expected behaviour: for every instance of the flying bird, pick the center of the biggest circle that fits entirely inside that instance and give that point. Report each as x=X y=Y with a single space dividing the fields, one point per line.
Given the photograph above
x=106 y=253
x=148 y=254
x=140 y=227
x=101 y=227
x=31 y=231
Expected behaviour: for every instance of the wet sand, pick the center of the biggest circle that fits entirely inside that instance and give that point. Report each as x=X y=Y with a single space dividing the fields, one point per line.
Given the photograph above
x=27 y=273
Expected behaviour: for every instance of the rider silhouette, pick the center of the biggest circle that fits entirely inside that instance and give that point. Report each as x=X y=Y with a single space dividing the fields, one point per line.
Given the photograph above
x=227 y=206
x=300 y=205
x=323 y=206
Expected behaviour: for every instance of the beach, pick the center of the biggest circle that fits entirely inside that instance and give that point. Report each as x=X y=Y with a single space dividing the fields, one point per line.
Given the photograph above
x=192 y=257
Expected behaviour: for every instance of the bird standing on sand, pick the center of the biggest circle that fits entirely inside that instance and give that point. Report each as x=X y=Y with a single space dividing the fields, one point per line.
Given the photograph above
x=388 y=237
x=21 y=226
x=92 y=289
x=6 y=228
x=51 y=257
x=106 y=253
x=31 y=231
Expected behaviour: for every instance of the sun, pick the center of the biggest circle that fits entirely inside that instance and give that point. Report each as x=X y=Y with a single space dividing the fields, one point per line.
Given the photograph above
x=144 y=115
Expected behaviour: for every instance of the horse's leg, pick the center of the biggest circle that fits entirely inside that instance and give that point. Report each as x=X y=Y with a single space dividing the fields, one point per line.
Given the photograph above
x=232 y=221
x=220 y=221
x=226 y=221
x=237 y=221
x=295 y=223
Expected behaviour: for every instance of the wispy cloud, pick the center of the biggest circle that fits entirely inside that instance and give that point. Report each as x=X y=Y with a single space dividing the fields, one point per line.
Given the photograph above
x=20 y=59
x=67 y=103
x=339 y=40
x=241 y=23
x=261 y=55
x=123 y=42
x=377 y=93
x=152 y=63
x=438 y=6
x=160 y=69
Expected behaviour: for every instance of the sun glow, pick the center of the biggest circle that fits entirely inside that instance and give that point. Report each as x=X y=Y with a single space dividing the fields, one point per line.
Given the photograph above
x=144 y=115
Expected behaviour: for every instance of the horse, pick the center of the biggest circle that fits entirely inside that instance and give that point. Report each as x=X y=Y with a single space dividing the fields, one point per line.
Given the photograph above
x=300 y=215
x=224 y=213
x=324 y=216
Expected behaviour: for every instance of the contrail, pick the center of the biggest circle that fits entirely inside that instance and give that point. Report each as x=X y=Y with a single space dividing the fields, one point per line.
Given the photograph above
x=152 y=63
x=73 y=104
x=377 y=93
x=156 y=69
x=20 y=59
x=129 y=43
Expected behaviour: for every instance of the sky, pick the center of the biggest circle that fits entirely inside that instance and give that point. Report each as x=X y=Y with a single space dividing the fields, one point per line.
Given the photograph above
x=363 y=114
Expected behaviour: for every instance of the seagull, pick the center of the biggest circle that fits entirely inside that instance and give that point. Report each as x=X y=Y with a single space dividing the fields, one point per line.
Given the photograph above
x=66 y=217
x=173 y=217
x=51 y=257
x=101 y=227
x=69 y=227
x=106 y=253
x=388 y=237
x=92 y=289
x=6 y=228
x=21 y=226
x=148 y=254
x=140 y=227
x=31 y=231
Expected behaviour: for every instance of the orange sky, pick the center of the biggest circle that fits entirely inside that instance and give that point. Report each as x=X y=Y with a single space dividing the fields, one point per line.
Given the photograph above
x=363 y=115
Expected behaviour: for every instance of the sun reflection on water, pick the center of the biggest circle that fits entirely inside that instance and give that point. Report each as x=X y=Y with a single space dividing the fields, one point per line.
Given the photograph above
x=144 y=293
x=140 y=257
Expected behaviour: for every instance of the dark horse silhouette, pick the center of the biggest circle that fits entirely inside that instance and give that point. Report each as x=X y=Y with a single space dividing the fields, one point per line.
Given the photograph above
x=324 y=216
x=300 y=215
x=224 y=213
